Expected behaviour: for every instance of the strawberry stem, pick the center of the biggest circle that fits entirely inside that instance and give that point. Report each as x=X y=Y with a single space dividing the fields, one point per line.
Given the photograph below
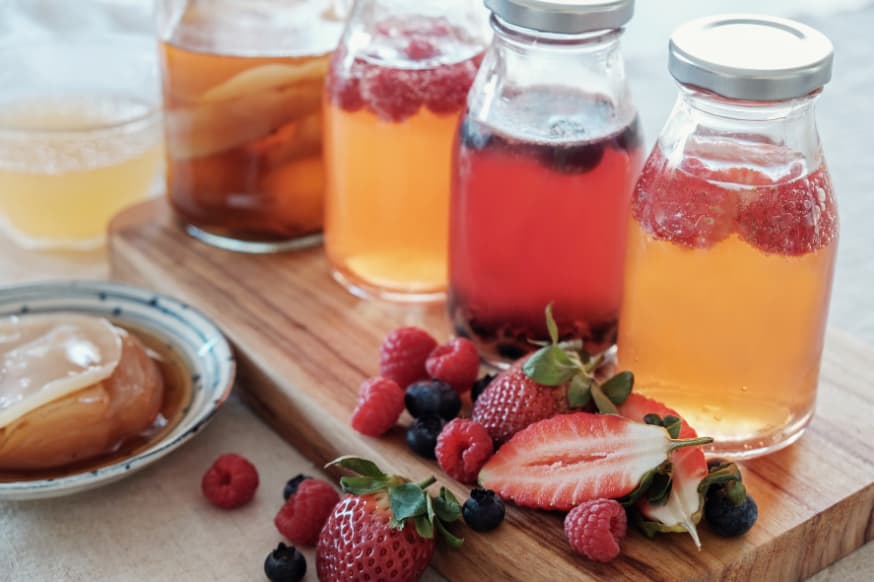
x=425 y=483
x=680 y=443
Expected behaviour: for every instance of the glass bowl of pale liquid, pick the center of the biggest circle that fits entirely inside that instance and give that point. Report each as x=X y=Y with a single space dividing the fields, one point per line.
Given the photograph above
x=80 y=136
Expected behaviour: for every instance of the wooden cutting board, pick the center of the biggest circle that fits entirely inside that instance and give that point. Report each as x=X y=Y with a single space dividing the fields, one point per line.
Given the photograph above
x=304 y=345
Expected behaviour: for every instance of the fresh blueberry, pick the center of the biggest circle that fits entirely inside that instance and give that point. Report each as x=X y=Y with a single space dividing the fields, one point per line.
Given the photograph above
x=432 y=398
x=480 y=385
x=483 y=510
x=572 y=159
x=510 y=351
x=727 y=519
x=292 y=485
x=285 y=564
x=422 y=435
x=631 y=137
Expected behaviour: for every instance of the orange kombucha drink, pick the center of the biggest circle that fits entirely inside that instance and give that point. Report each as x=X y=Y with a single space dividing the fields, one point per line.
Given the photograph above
x=389 y=130
x=727 y=283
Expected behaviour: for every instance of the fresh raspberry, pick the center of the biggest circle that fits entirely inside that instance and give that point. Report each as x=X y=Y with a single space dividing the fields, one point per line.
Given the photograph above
x=380 y=403
x=391 y=93
x=595 y=528
x=683 y=208
x=306 y=511
x=230 y=482
x=403 y=354
x=791 y=218
x=463 y=447
x=344 y=87
x=456 y=363
x=420 y=49
x=444 y=88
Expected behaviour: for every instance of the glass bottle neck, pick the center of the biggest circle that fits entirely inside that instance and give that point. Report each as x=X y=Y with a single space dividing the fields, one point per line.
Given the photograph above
x=700 y=117
x=599 y=45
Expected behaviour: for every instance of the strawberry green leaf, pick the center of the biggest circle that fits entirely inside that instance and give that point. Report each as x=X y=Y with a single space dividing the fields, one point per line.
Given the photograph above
x=673 y=425
x=429 y=508
x=604 y=404
x=550 y=366
x=358 y=465
x=452 y=540
x=653 y=418
x=618 y=387
x=446 y=506
x=424 y=527
x=550 y=324
x=407 y=500
x=641 y=489
x=579 y=393
x=646 y=527
x=362 y=485
x=659 y=489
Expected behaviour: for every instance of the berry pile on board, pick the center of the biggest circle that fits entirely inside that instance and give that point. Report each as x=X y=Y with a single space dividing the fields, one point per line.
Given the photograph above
x=553 y=432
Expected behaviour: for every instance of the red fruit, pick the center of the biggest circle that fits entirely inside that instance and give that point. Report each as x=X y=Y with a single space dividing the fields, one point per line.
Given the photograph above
x=380 y=403
x=230 y=482
x=419 y=49
x=560 y=462
x=305 y=512
x=456 y=363
x=357 y=544
x=688 y=467
x=403 y=354
x=392 y=94
x=683 y=208
x=344 y=86
x=463 y=447
x=595 y=528
x=512 y=401
x=791 y=218
x=445 y=88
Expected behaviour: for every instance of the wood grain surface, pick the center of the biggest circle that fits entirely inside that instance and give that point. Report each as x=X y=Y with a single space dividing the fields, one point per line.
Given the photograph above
x=304 y=345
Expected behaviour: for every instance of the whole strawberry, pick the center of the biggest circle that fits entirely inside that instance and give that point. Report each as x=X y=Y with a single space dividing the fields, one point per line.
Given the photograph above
x=513 y=401
x=553 y=380
x=383 y=528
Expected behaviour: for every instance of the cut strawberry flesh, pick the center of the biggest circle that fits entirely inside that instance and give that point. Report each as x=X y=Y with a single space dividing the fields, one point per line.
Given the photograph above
x=688 y=467
x=562 y=461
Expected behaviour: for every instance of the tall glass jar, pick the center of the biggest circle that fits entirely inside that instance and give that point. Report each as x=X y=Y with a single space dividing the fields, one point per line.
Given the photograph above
x=397 y=87
x=732 y=240
x=243 y=82
x=545 y=161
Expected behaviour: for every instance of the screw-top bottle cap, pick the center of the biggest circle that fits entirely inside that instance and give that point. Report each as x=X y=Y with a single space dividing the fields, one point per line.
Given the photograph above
x=564 y=16
x=749 y=56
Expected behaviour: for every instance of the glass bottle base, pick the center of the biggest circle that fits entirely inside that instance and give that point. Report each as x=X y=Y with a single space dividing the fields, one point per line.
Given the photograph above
x=365 y=290
x=250 y=246
x=749 y=448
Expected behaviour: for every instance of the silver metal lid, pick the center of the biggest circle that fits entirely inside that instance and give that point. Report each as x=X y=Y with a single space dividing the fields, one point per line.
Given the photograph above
x=752 y=57
x=563 y=16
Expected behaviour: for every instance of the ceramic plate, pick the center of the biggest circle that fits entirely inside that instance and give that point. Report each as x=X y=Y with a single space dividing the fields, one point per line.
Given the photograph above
x=197 y=342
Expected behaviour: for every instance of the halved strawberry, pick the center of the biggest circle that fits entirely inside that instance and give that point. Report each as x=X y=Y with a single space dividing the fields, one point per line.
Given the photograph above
x=562 y=461
x=682 y=510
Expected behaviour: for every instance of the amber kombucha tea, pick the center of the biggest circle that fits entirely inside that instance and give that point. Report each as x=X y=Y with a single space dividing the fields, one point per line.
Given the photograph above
x=389 y=130
x=727 y=285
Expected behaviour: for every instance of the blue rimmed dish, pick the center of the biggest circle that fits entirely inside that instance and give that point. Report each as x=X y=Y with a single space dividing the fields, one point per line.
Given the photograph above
x=192 y=337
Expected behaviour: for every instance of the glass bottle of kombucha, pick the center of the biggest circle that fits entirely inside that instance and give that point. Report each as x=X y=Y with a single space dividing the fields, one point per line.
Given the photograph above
x=732 y=236
x=545 y=161
x=396 y=89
